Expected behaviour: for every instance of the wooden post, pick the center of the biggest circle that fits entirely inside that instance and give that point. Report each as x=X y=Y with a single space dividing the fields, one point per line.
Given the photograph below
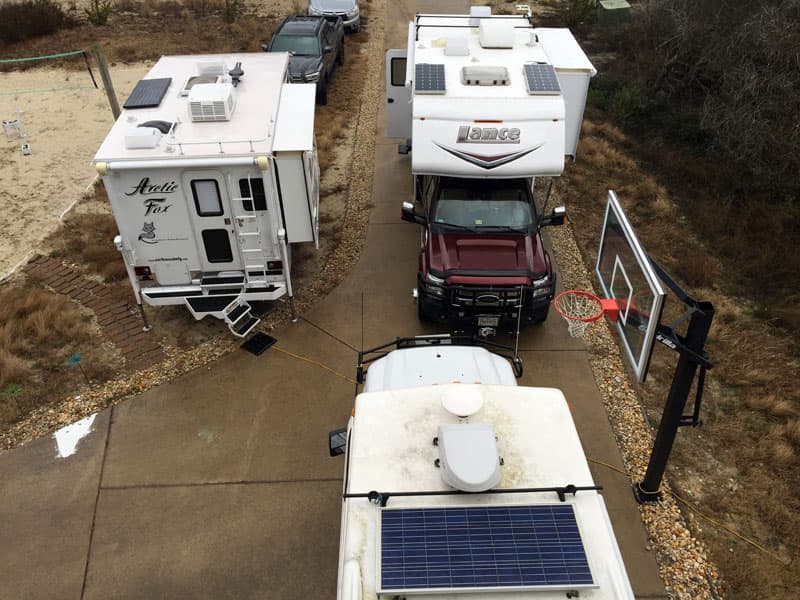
x=107 y=83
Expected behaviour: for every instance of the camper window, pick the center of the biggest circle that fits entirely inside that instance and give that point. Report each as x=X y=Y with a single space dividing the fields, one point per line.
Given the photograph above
x=206 y=197
x=399 y=71
x=252 y=188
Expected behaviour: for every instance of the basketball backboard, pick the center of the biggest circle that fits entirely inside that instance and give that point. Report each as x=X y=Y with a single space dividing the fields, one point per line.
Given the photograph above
x=627 y=276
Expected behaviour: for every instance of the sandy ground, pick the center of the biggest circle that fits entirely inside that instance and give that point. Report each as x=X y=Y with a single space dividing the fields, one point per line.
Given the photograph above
x=64 y=129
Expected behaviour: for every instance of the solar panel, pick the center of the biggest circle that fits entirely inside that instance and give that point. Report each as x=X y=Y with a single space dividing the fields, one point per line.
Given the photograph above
x=148 y=93
x=429 y=78
x=487 y=547
x=541 y=79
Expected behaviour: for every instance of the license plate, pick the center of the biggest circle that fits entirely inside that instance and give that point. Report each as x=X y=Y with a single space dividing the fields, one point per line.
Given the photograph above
x=488 y=321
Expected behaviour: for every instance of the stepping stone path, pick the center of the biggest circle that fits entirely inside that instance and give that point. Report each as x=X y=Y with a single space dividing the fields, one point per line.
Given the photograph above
x=119 y=321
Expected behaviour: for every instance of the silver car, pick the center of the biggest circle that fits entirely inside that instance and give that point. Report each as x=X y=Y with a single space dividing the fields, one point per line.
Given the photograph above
x=348 y=10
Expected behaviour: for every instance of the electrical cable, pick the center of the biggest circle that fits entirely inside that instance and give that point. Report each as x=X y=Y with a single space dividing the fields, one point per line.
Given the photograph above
x=314 y=362
x=694 y=509
x=328 y=333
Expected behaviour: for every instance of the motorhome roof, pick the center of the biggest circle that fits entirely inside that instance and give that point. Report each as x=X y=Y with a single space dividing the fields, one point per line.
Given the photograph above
x=391 y=450
x=250 y=129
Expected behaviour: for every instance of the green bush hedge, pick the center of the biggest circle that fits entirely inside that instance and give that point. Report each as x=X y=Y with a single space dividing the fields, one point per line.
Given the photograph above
x=31 y=18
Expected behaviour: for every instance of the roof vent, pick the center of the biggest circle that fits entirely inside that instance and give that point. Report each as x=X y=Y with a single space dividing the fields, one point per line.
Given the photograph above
x=496 y=33
x=468 y=456
x=211 y=102
x=482 y=75
x=197 y=80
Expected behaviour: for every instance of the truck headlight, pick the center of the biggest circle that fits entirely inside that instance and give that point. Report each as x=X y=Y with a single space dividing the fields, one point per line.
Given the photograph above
x=313 y=11
x=433 y=285
x=312 y=77
x=352 y=14
x=542 y=287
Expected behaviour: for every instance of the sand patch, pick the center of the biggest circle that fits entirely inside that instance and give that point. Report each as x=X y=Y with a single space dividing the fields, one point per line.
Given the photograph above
x=64 y=129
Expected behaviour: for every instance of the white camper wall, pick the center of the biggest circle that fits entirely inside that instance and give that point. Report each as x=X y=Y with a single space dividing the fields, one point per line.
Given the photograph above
x=574 y=70
x=293 y=143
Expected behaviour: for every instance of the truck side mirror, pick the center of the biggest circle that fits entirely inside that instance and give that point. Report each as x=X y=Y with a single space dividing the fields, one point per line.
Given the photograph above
x=409 y=215
x=554 y=218
x=327 y=49
x=265 y=47
x=337 y=441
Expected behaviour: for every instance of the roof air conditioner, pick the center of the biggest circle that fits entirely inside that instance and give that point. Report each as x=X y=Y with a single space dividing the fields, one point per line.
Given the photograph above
x=211 y=102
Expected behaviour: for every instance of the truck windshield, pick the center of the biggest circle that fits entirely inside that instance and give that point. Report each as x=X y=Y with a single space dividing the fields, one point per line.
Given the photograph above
x=297 y=45
x=502 y=204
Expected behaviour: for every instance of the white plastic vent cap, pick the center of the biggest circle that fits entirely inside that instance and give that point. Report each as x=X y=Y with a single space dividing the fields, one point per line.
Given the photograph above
x=468 y=456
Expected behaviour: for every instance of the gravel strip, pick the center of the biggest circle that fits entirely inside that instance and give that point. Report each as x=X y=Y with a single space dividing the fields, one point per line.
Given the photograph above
x=683 y=560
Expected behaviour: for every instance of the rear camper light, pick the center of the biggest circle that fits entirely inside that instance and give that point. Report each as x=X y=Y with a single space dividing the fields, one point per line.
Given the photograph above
x=275 y=265
x=143 y=273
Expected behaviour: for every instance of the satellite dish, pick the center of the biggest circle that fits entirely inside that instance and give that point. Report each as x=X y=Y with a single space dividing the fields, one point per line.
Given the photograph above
x=462 y=400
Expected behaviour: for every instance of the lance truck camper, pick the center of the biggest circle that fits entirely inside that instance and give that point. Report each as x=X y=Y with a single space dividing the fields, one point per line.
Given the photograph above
x=460 y=484
x=212 y=174
x=488 y=106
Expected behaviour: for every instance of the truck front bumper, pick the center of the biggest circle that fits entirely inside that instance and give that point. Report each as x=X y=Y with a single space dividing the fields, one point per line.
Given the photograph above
x=466 y=307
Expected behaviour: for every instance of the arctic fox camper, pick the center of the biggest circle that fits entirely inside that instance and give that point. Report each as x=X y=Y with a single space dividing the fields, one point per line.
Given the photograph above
x=487 y=105
x=477 y=489
x=211 y=171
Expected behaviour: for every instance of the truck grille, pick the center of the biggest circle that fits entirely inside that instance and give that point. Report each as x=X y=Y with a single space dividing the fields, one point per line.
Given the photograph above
x=471 y=298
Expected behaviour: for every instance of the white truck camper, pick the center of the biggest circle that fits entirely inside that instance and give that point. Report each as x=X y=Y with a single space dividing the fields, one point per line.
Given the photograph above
x=487 y=96
x=212 y=173
x=467 y=486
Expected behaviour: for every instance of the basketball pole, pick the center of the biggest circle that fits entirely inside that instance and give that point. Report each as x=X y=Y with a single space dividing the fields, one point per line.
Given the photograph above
x=691 y=349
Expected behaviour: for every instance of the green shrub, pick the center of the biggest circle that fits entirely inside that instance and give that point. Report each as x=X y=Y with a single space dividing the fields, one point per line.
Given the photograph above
x=231 y=11
x=99 y=11
x=31 y=18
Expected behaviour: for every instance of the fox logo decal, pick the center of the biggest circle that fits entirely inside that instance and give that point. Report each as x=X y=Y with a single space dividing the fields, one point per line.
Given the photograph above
x=148 y=235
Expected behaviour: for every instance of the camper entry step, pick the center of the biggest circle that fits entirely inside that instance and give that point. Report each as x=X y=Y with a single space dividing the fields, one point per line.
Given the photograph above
x=222 y=280
x=209 y=304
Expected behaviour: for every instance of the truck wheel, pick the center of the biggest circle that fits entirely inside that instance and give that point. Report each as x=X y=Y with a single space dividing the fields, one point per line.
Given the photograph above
x=322 y=91
x=423 y=316
x=340 y=58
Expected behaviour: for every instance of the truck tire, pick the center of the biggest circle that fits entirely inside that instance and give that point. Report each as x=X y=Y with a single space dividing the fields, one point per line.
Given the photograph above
x=340 y=57
x=423 y=316
x=322 y=91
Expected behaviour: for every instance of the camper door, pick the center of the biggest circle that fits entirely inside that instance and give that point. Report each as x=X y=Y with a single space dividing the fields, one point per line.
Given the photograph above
x=210 y=209
x=398 y=96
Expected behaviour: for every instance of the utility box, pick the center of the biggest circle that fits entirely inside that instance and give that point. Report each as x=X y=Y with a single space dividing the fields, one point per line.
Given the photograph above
x=613 y=12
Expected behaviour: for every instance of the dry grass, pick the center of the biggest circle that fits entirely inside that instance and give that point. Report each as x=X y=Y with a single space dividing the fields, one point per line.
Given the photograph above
x=38 y=331
x=87 y=240
x=745 y=460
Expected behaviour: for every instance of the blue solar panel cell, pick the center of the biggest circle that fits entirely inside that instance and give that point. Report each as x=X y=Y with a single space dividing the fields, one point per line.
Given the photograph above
x=482 y=547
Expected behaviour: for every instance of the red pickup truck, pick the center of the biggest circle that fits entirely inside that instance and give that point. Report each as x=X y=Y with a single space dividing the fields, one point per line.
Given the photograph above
x=482 y=265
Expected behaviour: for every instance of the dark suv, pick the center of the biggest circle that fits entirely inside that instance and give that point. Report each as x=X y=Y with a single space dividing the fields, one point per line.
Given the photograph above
x=316 y=46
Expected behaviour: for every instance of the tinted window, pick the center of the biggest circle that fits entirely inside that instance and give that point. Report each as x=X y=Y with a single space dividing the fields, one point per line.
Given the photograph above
x=206 y=197
x=398 y=71
x=217 y=245
x=253 y=188
x=300 y=45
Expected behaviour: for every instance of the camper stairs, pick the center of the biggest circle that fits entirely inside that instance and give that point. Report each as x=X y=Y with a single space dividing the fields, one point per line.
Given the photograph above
x=232 y=309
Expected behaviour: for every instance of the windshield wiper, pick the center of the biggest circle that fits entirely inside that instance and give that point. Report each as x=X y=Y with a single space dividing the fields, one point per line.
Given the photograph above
x=469 y=228
x=512 y=228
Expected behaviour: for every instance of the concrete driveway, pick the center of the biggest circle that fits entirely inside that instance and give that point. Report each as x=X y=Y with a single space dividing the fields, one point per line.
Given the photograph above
x=218 y=485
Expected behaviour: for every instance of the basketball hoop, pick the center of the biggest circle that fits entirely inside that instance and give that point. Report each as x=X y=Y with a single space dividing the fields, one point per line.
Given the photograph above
x=580 y=308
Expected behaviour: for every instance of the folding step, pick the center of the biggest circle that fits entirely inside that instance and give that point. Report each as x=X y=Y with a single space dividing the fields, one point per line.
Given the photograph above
x=237 y=313
x=208 y=281
x=244 y=326
x=209 y=304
